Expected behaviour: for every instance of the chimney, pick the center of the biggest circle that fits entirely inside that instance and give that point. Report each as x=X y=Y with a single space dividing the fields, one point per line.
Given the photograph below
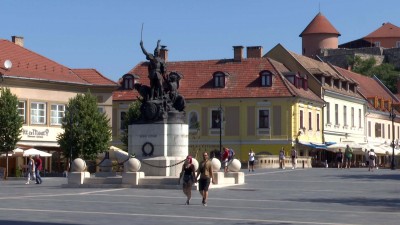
x=164 y=53
x=18 y=40
x=237 y=53
x=254 y=52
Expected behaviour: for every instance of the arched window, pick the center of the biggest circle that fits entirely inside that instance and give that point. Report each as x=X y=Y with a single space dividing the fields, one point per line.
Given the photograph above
x=266 y=78
x=128 y=80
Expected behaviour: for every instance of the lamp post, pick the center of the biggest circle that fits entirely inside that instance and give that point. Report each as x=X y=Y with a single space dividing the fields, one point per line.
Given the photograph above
x=392 y=117
x=219 y=122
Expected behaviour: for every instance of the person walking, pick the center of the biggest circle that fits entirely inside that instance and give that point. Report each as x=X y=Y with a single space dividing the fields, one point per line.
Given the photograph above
x=339 y=159
x=366 y=156
x=372 y=158
x=348 y=153
x=293 y=154
x=206 y=174
x=30 y=170
x=38 y=168
x=282 y=158
x=225 y=159
x=188 y=174
x=251 y=160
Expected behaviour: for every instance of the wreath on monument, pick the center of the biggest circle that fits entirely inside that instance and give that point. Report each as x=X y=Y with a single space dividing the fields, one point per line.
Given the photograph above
x=147 y=149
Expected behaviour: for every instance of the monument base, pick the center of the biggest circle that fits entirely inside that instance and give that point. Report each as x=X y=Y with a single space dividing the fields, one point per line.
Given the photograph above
x=77 y=177
x=162 y=166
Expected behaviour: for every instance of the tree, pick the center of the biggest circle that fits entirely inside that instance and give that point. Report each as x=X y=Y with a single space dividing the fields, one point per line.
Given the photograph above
x=386 y=72
x=86 y=130
x=10 y=123
x=132 y=115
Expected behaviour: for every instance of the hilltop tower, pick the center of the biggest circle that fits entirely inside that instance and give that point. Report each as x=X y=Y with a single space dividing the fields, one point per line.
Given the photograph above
x=319 y=34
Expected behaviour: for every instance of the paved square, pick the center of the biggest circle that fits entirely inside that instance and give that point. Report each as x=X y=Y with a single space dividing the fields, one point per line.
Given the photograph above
x=270 y=196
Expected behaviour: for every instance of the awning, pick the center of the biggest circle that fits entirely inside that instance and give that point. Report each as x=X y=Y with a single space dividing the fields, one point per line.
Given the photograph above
x=313 y=145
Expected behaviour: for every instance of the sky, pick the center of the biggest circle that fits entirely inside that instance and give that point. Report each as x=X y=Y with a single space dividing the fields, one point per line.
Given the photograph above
x=105 y=34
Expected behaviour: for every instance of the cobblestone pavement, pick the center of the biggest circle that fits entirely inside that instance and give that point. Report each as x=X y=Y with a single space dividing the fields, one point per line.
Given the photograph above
x=270 y=196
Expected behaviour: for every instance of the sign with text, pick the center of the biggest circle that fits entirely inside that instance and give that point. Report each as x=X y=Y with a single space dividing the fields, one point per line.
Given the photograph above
x=30 y=133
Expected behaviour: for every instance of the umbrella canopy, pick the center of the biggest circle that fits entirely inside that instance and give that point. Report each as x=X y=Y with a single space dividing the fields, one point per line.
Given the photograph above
x=33 y=152
x=342 y=145
x=14 y=153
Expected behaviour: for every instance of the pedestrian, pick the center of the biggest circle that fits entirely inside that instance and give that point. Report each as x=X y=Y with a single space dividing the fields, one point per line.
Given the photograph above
x=188 y=174
x=348 y=153
x=206 y=175
x=38 y=168
x=339 y=159
x=30 y=170
x=372 y=157
x=251 y=160
x=282 y=158
x=293 y=154
x=225 y=159
x=366 y=156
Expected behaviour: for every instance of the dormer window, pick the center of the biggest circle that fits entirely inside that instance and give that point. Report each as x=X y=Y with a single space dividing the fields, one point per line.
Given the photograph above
x=305 y=83
x=266 y=78
x=128 y=81
x=219 y=79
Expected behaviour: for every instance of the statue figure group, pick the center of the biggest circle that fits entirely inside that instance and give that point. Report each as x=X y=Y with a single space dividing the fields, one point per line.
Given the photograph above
x=162 y=96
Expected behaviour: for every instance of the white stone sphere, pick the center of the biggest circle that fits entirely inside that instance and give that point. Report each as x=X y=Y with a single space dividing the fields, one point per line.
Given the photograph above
x=78 y=165
x=195 y=164
x=106 y=165
x=132 y=165
x=235 y=165
x=215 y=164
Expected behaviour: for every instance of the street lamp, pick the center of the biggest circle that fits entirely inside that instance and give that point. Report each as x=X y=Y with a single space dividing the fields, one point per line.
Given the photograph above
x=392 y=116
x=219 y=122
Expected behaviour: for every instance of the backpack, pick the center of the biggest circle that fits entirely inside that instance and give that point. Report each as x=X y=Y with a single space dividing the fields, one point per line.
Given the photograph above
x=372 y=157
x=231 y=154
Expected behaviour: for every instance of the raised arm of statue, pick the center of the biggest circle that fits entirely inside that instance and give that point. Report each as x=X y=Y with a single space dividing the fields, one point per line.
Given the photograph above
x=144 y=50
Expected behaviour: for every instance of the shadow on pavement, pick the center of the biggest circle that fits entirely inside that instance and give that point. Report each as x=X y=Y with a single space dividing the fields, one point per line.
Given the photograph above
x=11 y=222
x=391 y=204
x=370 y=176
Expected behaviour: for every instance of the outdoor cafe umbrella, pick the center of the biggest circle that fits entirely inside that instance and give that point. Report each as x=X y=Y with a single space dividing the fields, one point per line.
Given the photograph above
x=34 y=152
x=342 y=145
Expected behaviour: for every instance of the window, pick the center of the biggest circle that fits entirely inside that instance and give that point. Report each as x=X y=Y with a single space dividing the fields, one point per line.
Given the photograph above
x=121 y=120
x=352 y=116
x=38 y=113
x=266 y=78
x=378 y=130
x=100 y=109
x=301 y=119
x=397 y=44
x=388 y=131
x=193 y=121
x=309 y=121
x=345 y=115
x=318 y=128
x=383 y=130
x=377 y=44
x=219 y=79
x=56 y=114
x=128 y=81
x=22 y=110
x=359 y=118
x=336 y=114
x=216 y=120
x=263 y=118
x=328 y=113
x=369 y=129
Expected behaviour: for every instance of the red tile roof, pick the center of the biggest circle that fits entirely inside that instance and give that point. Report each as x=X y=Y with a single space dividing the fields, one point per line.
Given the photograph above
x=320 y=25
x=387 y=30
x=368 y=86
x=197 y=83
x=30 y=65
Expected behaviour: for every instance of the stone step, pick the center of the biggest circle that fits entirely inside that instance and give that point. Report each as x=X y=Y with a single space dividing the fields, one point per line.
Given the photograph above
x=104 y=180
x=153 y=180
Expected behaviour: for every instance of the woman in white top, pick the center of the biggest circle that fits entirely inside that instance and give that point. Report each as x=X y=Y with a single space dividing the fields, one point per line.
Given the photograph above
x=30 y=170
x=251 y=160
x=372 y=157
x=282 y=158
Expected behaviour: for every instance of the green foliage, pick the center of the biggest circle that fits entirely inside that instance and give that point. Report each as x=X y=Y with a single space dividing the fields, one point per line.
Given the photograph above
x=86 y=130
x=132 y=115
x=386 y=72
x=10 y=121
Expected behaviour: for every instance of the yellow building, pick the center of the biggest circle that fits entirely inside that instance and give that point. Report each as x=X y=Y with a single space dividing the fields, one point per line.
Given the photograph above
x=240 y=103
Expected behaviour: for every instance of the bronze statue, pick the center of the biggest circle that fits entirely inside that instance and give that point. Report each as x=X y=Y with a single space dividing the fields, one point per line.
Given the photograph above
x=156 y=69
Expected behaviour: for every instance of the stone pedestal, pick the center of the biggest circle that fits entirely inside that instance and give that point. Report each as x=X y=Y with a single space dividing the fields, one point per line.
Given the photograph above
x=239 y=177
x=218 y=177
x=77 y=177
x=132 y=177
x=158 y=145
